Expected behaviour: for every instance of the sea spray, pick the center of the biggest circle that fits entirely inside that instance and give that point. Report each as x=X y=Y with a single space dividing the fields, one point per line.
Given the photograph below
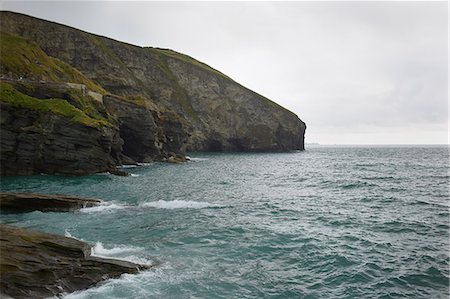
x=104 y=207
x=179 y=204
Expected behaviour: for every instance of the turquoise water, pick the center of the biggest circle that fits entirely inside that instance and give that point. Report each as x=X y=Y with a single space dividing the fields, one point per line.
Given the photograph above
x=343 y=222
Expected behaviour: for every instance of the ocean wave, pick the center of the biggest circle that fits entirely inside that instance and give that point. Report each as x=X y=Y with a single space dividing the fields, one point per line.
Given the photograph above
x=117 y=252
x=99 y=250
x=144 y=164
x=131 y=283
x=179 y=204
x=379 y=178
x=358 y=184
x=103 y=207
x=120 y=252
x=69 y=235
x=197 y=159
x=129 y=166
x=430 y=202
x=133 y=175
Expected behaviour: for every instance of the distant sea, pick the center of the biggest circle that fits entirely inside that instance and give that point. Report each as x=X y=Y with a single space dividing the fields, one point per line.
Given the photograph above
x=329 y=222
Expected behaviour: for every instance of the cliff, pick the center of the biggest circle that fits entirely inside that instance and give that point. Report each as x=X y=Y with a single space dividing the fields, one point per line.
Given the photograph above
x=152 y=104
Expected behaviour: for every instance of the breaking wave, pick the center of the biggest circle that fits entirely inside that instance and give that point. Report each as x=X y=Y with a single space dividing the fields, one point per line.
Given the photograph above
x=103 y=207
x=179 y=204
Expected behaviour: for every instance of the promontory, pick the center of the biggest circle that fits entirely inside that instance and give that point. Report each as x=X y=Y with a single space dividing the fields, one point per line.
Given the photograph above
x=73 y=102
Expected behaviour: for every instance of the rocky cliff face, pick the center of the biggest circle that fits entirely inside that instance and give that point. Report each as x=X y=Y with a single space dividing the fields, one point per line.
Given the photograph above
x=52 y=126
x=165 y=102
x=148 y=133
x=42 y=142
x=60 y=130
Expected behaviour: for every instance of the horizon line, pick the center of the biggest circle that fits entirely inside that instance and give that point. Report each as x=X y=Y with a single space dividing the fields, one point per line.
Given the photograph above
x=398 y=144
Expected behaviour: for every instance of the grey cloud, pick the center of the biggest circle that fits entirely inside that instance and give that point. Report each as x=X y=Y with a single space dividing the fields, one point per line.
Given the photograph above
x=354 y=71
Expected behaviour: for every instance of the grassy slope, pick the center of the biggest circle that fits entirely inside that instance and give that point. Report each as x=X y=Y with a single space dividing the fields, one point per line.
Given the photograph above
x=24 y=58
x=187 y=59
x=10 y=95
x=20 y=57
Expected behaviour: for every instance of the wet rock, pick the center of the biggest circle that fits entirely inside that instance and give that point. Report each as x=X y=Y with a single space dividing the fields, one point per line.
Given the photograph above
x=118 y=172
x=174 y=158
x=40 y=265
x=28 y=202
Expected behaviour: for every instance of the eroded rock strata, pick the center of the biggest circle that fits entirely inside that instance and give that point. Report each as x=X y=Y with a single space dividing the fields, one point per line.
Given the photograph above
x=20 y=202
x=75 y=103
x=34 y=141
x=40 y=265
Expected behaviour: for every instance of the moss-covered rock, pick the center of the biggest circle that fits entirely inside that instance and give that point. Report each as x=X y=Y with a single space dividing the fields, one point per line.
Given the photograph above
x=23 y=58
x=87 y=115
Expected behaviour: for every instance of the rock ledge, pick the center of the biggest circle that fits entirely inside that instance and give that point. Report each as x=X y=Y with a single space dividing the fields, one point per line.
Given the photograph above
x=28 y=202
x=41 y=265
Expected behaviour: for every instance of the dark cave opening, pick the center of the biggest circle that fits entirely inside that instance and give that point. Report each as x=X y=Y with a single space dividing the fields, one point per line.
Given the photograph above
x=132 y=146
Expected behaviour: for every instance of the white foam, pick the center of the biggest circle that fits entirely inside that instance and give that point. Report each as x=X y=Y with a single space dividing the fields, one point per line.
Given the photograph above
x=128 y=166
x=179 y=204
x=103 y=173
x=133 y=175
x=134 y=283
x=120 y=252
x=100 y=250
x=144 y=164
x=68 y=235
x=197 y=159
x=103 y=207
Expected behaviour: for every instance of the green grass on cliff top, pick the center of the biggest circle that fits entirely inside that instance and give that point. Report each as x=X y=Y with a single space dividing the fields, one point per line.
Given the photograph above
x=183 y=57
x=23 y=58
x=188 y=59
x=10 y=95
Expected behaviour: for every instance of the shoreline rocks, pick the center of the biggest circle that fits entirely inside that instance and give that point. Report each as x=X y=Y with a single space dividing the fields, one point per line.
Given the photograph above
x=118 y=172
x=40 y=265
x=15 y=202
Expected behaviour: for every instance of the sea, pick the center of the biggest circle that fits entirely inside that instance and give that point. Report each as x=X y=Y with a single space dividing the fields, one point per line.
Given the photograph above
x=327 y=222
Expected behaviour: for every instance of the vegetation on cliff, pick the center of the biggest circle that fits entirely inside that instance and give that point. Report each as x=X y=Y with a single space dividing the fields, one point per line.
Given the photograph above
x=168 y=53
x=23 y=58
x=218 y=111
x=149 y=103
x=88 y=117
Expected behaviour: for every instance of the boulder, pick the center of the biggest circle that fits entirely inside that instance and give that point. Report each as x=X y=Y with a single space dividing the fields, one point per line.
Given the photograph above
x=40 y=265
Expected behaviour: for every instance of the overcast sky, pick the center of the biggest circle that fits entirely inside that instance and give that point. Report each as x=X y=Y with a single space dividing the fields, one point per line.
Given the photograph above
x=355 y=72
